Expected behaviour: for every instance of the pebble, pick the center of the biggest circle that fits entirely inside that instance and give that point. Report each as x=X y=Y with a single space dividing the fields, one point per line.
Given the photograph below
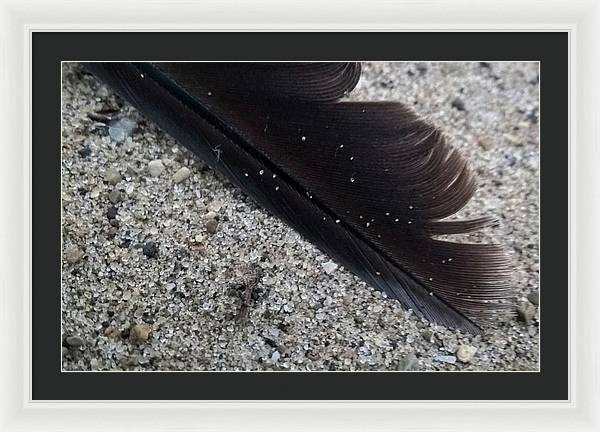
x=139 y=333
x=130 y=361
x=85 y=151
x=112 y=332
x=115 y=196
x=534 y=297
x=120 y=129
x=156 y=167
x=75 y=341
x=215 y=206
x=532 y=117
x=422 y=68
x=111 y=213
x=465 y=353
x=95 y=193
x=181 y=175
x=408 y=362
x=210 y=215
x=484 y=144
x=445 y=358
x=513 y=139
x=526 y=312
x=211 y=226
x=329 y=267
x=450 y=343
x=458 y=104
x=126 y=295
x=112 y=176
x=150 y=249
x=428 y=336
x=73 y=254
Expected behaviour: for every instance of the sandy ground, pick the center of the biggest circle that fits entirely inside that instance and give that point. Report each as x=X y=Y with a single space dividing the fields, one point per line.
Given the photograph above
x=152 y=267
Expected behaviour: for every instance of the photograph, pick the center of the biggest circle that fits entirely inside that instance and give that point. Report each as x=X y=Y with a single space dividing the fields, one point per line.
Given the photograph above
x=300 y=216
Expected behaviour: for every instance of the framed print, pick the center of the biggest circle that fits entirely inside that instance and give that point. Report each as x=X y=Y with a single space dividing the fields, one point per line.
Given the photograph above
x=337 y=222
x=252 y=299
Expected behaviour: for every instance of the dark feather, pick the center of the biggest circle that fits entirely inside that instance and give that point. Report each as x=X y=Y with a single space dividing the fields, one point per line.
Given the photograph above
x=367 y=182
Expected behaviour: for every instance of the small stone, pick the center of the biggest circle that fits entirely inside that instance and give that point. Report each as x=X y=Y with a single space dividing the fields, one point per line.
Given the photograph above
x=126 y=295
x=181 y=175
x=75 y=341
x=129 y=361
x=85 y=151
x=73 y=254
x=125 y=243
x=125 y=333
x=111 y=213
x=210 y=215
x=112 y=332
x=422 y=68
x=199 y=238
x=428 y=335
x=115 y=196
x=95 y=193
x=408 y=362
x=150 y=249
x=458 y=104
x=484 y=144
x=534 y=297
x=532 y=117
x=445 y=358
x=112 y=176
x=450 y=343
x=112 y=231
x=465 y=353
x=156 y=167
x=120 y=129
x=513 y=140
x=139 y=333
x=329 y=267
x=211 y=226
x=525 y=312
x=275 y=357
x=139 y=312
x=215 y=206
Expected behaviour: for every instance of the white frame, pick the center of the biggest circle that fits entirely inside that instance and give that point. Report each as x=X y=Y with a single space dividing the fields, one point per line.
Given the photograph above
x=581 y=18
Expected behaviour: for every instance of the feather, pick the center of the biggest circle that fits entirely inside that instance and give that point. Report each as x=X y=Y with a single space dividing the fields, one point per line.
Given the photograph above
x=369 y=183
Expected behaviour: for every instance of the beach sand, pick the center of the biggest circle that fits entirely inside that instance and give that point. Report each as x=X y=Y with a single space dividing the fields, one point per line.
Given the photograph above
x=152 y=267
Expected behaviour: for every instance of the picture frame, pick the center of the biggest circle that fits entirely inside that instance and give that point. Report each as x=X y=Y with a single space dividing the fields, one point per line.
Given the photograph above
x=20 y=412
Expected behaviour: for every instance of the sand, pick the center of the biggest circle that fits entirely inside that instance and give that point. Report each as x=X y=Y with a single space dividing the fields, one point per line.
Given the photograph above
x=154 y=259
